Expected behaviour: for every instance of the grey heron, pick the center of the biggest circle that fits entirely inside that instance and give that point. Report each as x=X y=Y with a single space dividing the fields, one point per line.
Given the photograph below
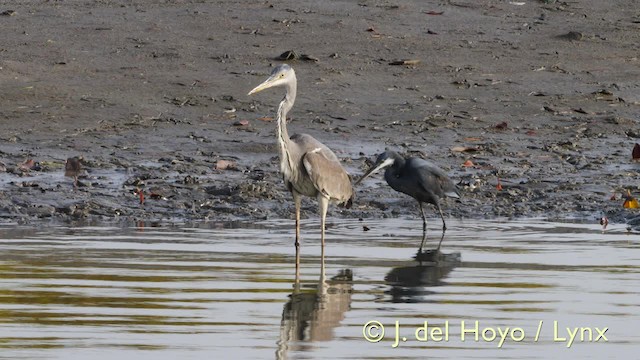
x=418 y=178
x=308 y=167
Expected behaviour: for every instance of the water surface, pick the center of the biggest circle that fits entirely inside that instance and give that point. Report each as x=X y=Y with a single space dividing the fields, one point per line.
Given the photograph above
x=227 y=291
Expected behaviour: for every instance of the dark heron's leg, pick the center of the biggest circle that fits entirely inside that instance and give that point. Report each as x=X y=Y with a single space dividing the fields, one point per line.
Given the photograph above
x=323 y=202
x=444 y=226
x=297 y=200
x=424 y=227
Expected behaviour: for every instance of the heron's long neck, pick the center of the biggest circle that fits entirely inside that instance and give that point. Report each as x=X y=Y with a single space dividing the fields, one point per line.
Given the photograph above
x=283 y=134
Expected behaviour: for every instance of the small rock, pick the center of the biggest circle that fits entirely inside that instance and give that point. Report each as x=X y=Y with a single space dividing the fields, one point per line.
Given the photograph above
x=572 y=36
x=226 y=165
x=41 y=211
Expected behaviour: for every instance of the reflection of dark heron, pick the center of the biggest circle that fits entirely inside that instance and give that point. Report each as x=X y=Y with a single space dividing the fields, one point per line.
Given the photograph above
x=308 y=167
x=409 y=284
x=311 y=314
x=418 y=178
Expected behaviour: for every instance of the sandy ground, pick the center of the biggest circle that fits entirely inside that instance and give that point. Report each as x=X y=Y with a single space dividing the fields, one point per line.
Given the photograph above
x=543 y=95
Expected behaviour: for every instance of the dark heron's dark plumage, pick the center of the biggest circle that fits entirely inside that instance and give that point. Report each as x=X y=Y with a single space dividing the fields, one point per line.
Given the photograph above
x=418 y=178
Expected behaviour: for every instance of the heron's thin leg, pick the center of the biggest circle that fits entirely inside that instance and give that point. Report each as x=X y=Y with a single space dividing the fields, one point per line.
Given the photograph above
x=323 y=203
x=440 y=243
x=323 y=277
x=323 y=286
x=444 y=226
x=424 y=227
x=297 y=200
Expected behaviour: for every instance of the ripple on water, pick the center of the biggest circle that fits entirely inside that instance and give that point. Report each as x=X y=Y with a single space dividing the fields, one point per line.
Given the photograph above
x=212 y=290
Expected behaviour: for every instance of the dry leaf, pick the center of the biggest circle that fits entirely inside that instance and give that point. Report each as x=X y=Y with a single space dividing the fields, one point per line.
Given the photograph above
x=225 y=165
x=635 y=154
x=265 y=118
x=140 y=194
x=73 y=166
x=405 y=62
x=431 y=12
x=501 y=126
x=499 y=186
x=27 y=165
x=156 y=196
x=630 y=202
x=468 y=163
x=241 y=123
x=463 y=149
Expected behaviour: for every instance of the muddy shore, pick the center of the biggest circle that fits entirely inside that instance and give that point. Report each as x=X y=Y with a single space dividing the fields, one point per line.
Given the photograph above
x=542 y=95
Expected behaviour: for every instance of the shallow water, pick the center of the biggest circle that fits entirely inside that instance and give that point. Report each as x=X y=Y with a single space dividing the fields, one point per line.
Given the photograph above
x=228 y=291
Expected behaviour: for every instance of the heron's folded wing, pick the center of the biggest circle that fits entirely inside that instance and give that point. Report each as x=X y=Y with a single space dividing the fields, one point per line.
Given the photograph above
x=328 y=176
x=433 y=179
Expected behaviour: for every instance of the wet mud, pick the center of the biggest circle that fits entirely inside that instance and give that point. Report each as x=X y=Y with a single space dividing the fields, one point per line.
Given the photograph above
x=531 y=107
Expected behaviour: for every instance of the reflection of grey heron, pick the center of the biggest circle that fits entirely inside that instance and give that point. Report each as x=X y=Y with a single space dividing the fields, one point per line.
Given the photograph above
x=311 y=314
x=308 y=166
x=418 y=178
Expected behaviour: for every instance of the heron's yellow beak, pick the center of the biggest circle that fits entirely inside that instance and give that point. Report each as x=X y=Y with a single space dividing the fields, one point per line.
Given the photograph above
x=265 y=85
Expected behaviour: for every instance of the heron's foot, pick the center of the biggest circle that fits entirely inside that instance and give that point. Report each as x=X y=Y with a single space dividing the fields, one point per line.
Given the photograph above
x=433 y=255
x=437 y=257
x=287 y=55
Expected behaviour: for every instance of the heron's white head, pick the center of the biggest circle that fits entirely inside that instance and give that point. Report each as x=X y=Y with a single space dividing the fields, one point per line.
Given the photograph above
x=384 y=160
x=280 y=76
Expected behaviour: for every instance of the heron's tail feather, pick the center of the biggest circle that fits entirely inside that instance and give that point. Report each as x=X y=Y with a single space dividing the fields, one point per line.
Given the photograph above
x=453 y=194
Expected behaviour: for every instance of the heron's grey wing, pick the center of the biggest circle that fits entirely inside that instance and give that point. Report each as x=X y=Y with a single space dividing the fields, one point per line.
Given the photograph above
x=432 y=178
x=308 y=143
x=327 y=174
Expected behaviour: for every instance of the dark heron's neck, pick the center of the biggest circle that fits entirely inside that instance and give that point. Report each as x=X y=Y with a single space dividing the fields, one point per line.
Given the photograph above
x=394 y=170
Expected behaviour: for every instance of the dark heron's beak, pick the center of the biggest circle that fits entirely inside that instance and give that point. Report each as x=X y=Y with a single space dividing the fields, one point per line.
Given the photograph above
x=375 y=168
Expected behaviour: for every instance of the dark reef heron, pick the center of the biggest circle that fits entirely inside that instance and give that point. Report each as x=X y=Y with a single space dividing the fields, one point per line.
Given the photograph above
x=308 y=167
x=418 y=178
